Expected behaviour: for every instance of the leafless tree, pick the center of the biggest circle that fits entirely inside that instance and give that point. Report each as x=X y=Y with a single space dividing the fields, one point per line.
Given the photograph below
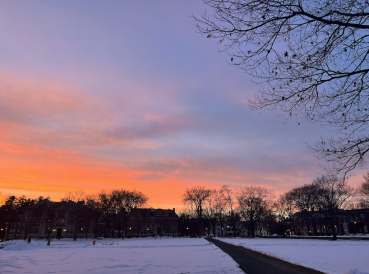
x=76 y=196
x=304 y=199
x=108 y=212
x=285 y=208
x=213 y=208
x=254 y=205
x=364 y=191
x=123 y=203
x=196 y=197
x=312 y=58
x=82 y=212
x=49 y=219
x=92 y=202
x=232 y=210
x=83 y=217
x=332 y=197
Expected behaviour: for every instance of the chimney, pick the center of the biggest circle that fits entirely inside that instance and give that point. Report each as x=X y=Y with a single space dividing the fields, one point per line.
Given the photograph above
x=174 y=210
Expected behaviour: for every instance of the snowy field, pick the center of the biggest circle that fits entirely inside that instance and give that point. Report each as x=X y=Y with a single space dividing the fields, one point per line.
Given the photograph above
x=166 y=255
x=334 y=257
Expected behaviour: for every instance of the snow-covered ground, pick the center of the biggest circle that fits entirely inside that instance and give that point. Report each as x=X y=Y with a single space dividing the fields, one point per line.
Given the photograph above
x=166 y=255
x=336 y=257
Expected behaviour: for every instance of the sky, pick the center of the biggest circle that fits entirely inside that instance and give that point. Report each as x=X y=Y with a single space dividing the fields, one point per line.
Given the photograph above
x=99 y=95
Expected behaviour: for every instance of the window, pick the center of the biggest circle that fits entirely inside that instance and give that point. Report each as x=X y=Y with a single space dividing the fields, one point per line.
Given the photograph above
x=296 y=229
x=323 y=229
x=365 y=229
x=318 y=229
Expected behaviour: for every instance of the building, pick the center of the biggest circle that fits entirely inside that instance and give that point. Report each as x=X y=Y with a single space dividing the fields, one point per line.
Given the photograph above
x=350 y=221
x=68 y=219
x=56 y=220
x=12 y=228
x=146 y=222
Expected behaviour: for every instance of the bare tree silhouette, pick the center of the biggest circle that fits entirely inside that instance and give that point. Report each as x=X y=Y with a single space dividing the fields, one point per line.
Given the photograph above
x=333 y=196
x=196 y=196
x=312 y=57
x=254 y=205
x=364 y=191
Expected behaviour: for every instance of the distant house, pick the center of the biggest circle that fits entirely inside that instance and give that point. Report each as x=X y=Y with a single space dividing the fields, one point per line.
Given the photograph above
x=146 y=222
x=350 y=221
x=12 y=228
x=58 y=219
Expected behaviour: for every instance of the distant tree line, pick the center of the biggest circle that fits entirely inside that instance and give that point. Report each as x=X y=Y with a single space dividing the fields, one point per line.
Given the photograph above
x=251 y=205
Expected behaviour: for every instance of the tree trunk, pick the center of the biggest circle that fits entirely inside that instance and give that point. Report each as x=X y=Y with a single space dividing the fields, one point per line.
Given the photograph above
x=290 y=225
x=307 y=225
x=333 y=229
x=48 y=238
x=252 y=228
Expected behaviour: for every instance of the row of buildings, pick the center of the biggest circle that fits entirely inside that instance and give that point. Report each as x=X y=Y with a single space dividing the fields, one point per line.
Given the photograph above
x=350 y=221
x=75 y=220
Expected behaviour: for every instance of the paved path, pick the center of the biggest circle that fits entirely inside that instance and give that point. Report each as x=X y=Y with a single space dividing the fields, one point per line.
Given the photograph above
x=252 y=262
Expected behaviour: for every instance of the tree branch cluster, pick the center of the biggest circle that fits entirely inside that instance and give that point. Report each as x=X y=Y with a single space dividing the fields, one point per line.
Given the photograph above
x=311 y=58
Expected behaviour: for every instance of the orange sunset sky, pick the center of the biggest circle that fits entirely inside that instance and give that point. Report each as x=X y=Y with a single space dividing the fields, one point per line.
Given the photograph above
x=123 y=95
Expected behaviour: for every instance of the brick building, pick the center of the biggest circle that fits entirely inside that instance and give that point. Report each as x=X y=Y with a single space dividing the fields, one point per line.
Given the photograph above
x=75 y=220
x=146 y=222
x=61 y=218
x=350 y=221
x=12 y=229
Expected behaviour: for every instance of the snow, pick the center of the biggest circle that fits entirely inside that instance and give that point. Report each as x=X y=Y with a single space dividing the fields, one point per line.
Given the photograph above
x=333 y=257
x=149 y=255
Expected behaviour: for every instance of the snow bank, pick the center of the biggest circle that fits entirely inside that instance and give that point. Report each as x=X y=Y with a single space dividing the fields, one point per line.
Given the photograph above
x=333 y=257
x=109 y=256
